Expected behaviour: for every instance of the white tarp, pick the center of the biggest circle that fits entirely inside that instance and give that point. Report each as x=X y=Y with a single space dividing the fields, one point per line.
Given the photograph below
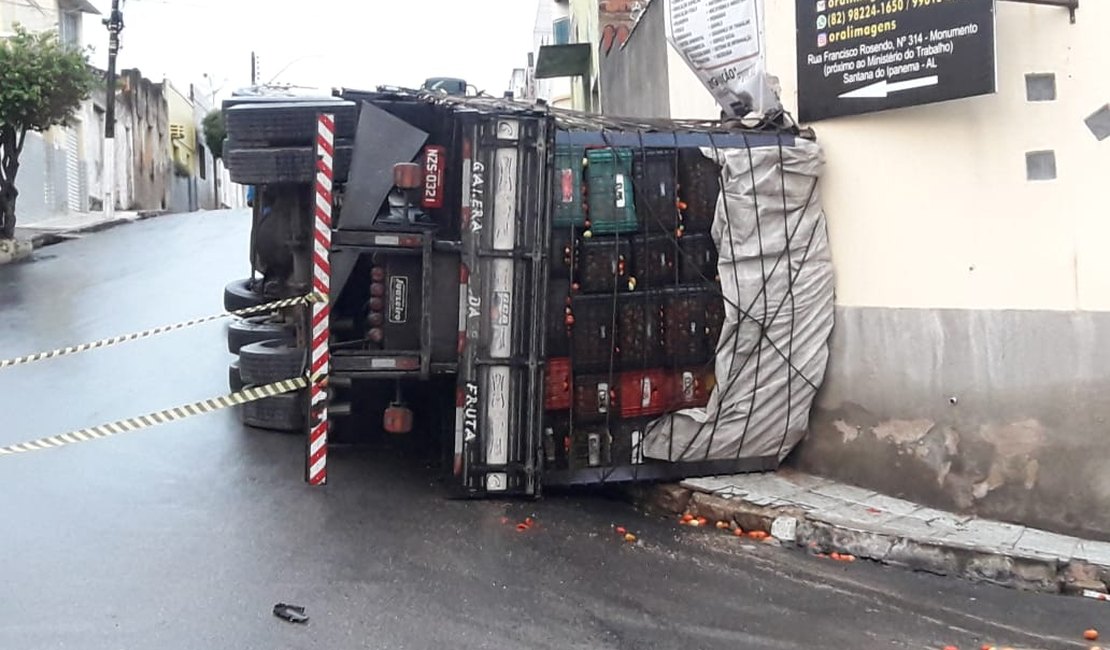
x=775 y=266
x=723 y=42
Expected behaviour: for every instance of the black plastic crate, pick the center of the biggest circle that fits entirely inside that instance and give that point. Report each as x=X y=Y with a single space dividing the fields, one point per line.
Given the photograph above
x=640 y=333
x=628 y=437
x=558 y=338
x=655 y=259
x=655 y=178
x=684 y=321
x=603 y=262
x=593 y=337
x=699 y=188
x=555 y=442
x=714 y=319
x=596 y=398
x=590 y=446
x=562 y=252
x=698 y=258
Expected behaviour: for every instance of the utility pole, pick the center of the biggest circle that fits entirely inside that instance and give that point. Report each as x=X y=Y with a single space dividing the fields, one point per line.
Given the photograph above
x=254 y=69
x=114 y=23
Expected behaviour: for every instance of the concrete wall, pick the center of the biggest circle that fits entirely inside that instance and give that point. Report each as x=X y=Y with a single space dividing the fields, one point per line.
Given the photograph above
x=144 y=152
x=635 y=74
x=969 y=354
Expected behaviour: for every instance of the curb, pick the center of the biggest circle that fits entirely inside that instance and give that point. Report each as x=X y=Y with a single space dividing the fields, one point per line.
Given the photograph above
x=1029 y=572
x=44 y=239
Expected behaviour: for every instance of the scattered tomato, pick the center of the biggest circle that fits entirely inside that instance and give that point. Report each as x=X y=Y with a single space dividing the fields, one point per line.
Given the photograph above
x=702 y=521
x=1091 y=634
x=520 y=528
x=621 y=530
x=834 y=555
x=722 y=525
x=629 y=537
x=687 y=518
x=739 y=532
x=950 y=647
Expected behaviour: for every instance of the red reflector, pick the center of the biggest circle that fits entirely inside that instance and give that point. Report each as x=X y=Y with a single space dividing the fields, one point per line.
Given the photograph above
x=407 y=176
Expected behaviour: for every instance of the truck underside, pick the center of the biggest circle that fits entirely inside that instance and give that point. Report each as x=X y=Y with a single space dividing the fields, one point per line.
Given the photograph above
x=535 y=293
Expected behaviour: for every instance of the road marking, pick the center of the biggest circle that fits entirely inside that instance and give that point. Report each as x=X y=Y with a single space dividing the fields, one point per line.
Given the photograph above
x=159 y=417
x=116 y=340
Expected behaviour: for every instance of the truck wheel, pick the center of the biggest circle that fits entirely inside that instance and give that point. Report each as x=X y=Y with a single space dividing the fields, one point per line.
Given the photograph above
x=241 y=295
x=283 y=165
x=280 y=413
x=270 y=361
x=255 y=329
x=288 y=123
x=234 y=377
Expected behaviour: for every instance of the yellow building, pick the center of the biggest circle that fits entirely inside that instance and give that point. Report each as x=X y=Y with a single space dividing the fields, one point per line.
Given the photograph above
x=183 y=132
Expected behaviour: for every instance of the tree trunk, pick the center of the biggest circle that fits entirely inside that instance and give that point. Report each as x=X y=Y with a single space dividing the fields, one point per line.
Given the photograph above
x=11 y=144
x=8 y=194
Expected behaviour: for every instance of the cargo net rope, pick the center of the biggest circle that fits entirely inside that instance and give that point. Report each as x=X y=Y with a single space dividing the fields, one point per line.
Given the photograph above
x=690 y=304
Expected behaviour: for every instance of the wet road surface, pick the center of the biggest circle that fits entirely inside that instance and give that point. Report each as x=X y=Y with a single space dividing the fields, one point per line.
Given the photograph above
x=184 y=536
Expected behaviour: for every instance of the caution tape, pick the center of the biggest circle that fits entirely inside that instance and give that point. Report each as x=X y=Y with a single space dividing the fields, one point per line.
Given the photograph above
x=159 y=417
x=116 y=340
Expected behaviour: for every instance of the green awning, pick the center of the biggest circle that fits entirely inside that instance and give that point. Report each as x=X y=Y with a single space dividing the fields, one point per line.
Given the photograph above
x=563 y=61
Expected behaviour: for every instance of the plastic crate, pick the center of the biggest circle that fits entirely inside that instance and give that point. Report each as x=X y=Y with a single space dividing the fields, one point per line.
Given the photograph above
x=684 y=331
x=645 y=392
x=590 y=447
x=569 y=198
x=558 y=336
x=640 y=333
x=609 y=191
x=698 y=258
x=604 y=262
x=628 y=439
x=594 y=335
x=557 y=385
x=699 y=188
x=596 y=399
x=690 y=387
x=555 y=441
x=714 y=319
x=562 y=252
x=655 y=259
x=655 y=178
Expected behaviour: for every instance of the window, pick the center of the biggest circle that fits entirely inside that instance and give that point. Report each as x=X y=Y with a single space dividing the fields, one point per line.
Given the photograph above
x=202 y=160
x=69 y=28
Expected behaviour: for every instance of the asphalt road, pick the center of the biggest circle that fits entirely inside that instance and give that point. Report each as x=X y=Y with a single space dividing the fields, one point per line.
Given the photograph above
x=185 y=536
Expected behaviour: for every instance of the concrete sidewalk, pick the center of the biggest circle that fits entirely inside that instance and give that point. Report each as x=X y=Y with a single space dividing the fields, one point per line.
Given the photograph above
x=45 y=231
x=825 y=516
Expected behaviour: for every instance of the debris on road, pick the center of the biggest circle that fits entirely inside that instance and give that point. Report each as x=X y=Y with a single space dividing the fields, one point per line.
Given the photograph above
x=291 y=613
x=1091 y=634
x=629 y=537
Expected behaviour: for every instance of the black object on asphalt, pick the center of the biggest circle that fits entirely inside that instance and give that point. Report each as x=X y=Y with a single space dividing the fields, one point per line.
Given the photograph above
x=291 y=613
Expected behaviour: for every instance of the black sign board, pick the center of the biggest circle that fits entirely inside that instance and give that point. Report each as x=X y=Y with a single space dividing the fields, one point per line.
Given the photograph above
x=860 y=56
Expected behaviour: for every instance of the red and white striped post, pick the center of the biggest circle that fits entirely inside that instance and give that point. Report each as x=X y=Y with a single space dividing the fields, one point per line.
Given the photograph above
x=317 y=457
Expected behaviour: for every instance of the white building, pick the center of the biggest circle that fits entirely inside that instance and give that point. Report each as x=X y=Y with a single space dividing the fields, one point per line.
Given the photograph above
x=971 y=353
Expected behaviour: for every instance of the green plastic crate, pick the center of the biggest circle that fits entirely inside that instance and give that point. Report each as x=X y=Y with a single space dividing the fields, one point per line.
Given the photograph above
x=609 y=178
x=569 y=209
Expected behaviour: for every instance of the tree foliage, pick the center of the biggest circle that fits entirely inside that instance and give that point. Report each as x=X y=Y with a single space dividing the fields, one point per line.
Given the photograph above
x=215 y=132
x=42 y=84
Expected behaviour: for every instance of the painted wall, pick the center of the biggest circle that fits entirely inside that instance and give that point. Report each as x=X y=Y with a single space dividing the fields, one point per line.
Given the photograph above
x=635 y=75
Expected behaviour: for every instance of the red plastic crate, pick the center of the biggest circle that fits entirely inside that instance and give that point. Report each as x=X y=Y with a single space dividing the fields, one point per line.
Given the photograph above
x=558 y=390
x=644 y=392
x=690 y=387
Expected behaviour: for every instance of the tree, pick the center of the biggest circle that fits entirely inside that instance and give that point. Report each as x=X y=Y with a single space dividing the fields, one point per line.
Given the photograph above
x=215 y=133
x=42 y=84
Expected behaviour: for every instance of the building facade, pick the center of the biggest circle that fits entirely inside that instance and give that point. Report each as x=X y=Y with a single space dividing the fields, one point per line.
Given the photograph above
x=972 y=339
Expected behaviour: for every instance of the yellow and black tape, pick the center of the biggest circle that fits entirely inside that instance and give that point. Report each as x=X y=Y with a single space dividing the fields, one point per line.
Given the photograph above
x=116 y=340
x=160 y=417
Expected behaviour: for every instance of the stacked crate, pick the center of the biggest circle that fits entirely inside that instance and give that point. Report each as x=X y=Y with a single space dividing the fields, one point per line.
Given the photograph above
x=634 y=304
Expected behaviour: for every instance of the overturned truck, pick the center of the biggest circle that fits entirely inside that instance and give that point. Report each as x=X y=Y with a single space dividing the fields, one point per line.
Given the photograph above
x=545 y=297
